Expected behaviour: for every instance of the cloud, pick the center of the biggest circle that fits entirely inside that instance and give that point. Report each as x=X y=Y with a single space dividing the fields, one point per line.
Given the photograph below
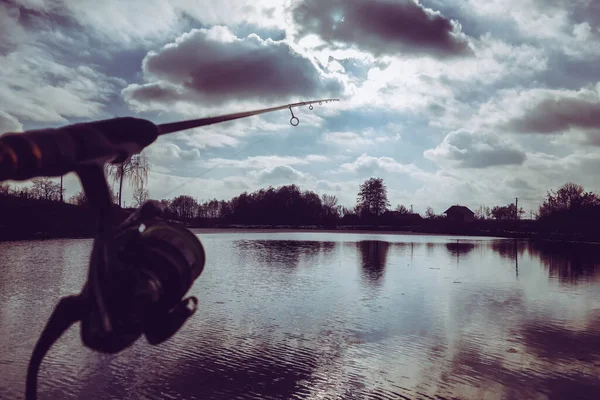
x=11 y=31
x=555 y=111
x=466 y=149
x=568 y=27
x=264 y=162
x=8 y=123
x=381 y=27
x=213 y=66
x=278 y=175
x=353 y=140
x=33 y=86
x=365 y=164
x=346 y=139
x=166 y=152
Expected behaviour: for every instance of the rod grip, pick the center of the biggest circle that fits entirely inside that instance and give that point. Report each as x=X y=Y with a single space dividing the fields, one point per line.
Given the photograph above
x=55 y=152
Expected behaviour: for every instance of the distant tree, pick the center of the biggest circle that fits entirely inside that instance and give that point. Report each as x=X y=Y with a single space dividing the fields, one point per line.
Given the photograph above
x=569 y=197
x=135 y=169
x=140 y=195
x=429 y=213
x=210 y=209
x=331 y=209
x=80 y=198
x=401 y=209
x=4 y=189
x=483 y=212
x=372 y=197
x=184 y=207
x=508 y=212
x=487 y=212
x=45 y=189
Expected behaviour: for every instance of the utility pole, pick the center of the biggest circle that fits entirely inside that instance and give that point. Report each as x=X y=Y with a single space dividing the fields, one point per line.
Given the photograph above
x=517 y=207
x=61 y=189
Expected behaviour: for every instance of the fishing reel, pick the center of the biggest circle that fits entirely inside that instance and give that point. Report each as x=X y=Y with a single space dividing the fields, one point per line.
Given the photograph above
x=152 y=264
x=138 y=276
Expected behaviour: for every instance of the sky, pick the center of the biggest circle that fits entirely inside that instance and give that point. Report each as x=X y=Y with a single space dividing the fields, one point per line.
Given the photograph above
x=472 y=102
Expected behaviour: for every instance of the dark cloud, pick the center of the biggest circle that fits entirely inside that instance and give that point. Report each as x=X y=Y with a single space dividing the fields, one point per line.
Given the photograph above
x=214 y=66
x=476 y=150
x=556 y=114
x=381 y=27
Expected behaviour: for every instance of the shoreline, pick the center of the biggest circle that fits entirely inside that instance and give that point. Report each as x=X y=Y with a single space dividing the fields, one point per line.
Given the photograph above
x=368 y=230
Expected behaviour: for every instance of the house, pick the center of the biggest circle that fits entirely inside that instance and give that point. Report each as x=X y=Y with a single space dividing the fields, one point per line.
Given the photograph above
x=458 y=213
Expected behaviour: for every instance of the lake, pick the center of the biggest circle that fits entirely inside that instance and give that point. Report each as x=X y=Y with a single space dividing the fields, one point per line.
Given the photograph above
x=313 y=315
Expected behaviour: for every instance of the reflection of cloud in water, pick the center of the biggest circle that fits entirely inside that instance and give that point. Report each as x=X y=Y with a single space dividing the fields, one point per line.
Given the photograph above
x=569 y=262
x=373 y=255
x=560 y=344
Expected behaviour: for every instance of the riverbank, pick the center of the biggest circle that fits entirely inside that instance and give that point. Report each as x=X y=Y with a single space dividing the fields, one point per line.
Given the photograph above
x=31 y=219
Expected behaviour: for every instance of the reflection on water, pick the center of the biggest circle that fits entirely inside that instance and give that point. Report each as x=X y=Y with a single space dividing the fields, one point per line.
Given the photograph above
x=295 y=315
x=569 y=262
x=373 y=255
x=459 y=248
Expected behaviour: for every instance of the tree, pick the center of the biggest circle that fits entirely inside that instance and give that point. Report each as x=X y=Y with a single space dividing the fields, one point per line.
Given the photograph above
x=401 y=209
x=4 y=189
x=429 y=213
x=484 y=212
x=372 y=197
x=45 y=189
x=135 y=169
x=331 y=209
x=185 y=207
x=569 y=197
x=508 y=212
x=140 y=195
x=80 y=199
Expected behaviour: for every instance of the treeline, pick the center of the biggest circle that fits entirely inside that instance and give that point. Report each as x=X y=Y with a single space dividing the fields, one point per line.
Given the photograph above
x=569 y=211
x=285 y=205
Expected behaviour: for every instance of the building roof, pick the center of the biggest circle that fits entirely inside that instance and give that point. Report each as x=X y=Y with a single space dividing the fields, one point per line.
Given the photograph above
x=459 y=209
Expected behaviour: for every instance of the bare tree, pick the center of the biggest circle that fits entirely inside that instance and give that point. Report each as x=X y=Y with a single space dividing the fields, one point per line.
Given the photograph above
x=401 y=209
x=45 y=189
x=330 y=205
x=4 y=189
x=80 y=199
x=140 y=195
x=134 y=169
x=429 y=213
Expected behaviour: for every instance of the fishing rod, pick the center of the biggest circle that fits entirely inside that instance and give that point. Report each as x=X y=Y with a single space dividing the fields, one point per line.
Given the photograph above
x=139 y=270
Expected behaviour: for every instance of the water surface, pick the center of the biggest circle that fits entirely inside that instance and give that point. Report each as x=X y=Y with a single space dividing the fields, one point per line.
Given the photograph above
x=330 y=316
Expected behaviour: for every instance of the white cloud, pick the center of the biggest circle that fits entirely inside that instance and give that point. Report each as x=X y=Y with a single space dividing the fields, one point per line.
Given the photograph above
x=366 y=164
x=466 y=149
x=8 y=123
x=281 y=174
x=264 y=162
x=415 y=84
x=33 y=86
